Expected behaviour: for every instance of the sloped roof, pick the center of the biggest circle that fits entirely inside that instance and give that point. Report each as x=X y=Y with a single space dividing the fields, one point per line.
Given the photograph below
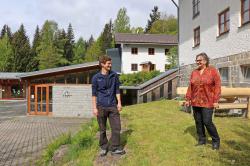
x=59 y=69
x=12 y=75
x=9 y=76
x=146 y=38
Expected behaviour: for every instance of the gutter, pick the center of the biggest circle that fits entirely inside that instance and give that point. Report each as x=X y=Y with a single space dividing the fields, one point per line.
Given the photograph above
x=178 y=55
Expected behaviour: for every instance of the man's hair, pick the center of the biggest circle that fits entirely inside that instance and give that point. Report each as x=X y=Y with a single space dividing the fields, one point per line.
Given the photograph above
x=204 y=56
x=103 y=59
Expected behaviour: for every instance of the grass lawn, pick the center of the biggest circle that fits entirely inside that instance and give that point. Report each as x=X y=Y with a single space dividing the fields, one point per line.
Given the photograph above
x=157 y=133
x=162 y=135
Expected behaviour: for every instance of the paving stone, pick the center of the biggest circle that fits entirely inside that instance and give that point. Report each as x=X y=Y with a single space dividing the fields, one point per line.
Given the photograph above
x=24 y=138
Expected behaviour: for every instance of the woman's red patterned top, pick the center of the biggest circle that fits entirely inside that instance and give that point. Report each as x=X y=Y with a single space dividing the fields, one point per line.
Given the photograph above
x=204 y=89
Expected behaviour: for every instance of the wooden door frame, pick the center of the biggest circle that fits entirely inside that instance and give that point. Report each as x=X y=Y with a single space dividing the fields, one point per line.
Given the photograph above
x=36 y=86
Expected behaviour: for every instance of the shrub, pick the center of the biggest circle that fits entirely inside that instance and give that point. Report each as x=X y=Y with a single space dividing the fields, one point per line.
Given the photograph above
x=137 y=78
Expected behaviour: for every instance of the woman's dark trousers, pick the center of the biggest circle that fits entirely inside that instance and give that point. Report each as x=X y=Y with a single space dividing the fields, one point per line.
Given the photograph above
x=203 y=118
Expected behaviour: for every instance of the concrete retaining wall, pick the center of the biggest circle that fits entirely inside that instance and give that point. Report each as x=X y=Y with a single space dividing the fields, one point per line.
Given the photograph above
x=72 y=101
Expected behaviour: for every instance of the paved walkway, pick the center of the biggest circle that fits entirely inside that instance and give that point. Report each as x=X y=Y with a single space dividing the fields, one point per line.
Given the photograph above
x=11 y=109
x=22 y=138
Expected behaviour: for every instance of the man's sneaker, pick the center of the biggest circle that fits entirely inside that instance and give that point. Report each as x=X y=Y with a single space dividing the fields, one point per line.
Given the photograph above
x=216 y=146
x=200 y=143
x=118 y=151
x=103 y=152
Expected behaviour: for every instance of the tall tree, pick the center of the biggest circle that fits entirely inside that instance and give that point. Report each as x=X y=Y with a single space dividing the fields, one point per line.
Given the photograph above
x=6 y=30
x=121 y=24
x=137 y=30
x=90 y=42
x=172 y=57
x=49 y=54
x=154 y=16
x=69 y=44
x=79 y=51
x=6 y=54
x=165 y=25
x=60 y=43
x=106 y=37
x=33 y=66
x=94 y=51
x=22 y=50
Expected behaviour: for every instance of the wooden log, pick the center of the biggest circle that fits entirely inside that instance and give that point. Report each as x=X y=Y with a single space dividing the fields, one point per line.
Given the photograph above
x=235 y=91
x=181 y=90
x=240 y=92
x=232 y=106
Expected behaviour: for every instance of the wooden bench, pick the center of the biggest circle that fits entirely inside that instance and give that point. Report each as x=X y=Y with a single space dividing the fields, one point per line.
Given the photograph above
x=229 y=94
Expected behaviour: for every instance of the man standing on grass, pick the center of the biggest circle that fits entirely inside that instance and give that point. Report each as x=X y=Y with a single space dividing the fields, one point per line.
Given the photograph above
x=107 y=105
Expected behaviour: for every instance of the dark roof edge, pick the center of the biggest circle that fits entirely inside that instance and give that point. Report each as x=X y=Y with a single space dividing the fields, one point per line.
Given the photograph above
x=58 y=69
x=152 y=43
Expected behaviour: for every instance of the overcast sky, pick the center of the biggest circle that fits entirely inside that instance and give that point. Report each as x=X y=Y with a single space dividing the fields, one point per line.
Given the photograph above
x=86 y=16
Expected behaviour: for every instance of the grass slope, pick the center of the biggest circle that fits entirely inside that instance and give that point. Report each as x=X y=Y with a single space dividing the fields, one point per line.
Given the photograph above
x=162 y=135
x=157 y=133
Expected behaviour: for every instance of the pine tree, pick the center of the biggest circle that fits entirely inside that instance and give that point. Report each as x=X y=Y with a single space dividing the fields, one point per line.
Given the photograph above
x=49 y=54
x=69 y=44
x=154 y=16
x=33 y=66
x=6 y=30
x=106 y=37
x=9 y=33
x=3 y=31
x=60 y=42
x=6 y=54
x=90 y=42
x=22 y=50
x=121 y=24
x=94 y=51
x=79 y=51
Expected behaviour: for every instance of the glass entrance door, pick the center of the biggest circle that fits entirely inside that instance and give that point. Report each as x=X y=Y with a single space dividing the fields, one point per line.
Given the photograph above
x=41 y=99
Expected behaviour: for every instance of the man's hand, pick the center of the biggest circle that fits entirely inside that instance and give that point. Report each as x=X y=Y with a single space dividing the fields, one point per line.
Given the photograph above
x=95 y=111
x=216 y=105
x=119 y=107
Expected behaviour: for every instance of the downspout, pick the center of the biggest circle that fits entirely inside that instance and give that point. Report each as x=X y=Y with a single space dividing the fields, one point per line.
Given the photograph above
x=178 y=54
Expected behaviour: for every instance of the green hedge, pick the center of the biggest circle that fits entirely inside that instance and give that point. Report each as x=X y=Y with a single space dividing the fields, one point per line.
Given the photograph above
x=137 y=78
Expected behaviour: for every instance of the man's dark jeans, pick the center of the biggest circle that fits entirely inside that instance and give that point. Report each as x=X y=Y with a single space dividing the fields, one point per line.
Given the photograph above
x=113 y=115
x=203 y=118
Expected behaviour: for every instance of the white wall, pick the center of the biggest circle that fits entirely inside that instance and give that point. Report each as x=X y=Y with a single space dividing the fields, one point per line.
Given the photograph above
x=159 y=58
x=234 y=42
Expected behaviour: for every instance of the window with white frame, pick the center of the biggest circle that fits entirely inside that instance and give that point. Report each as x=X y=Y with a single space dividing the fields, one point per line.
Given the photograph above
x=224 y=74
x=245 y=70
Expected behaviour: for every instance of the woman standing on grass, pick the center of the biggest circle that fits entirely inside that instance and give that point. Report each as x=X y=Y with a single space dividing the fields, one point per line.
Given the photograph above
x=203 y=95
